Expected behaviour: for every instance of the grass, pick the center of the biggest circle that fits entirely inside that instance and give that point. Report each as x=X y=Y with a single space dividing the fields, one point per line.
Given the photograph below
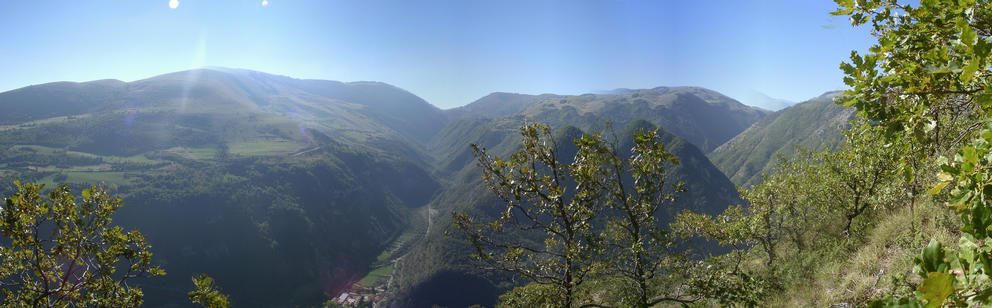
x=248 y=148
x=376 y=276
x=882 y=265
x=134 y=159
x=200 y=153
x=264 y=148
x=89 y=177
x=87 y=168
x=60 y=119
x=390 y=252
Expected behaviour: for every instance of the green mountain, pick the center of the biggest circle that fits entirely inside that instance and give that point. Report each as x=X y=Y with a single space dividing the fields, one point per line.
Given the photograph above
x=290 y=191
x=264 y=182
x=815 y=124
x=60 y=99
x=705 y=118
x=497 y=105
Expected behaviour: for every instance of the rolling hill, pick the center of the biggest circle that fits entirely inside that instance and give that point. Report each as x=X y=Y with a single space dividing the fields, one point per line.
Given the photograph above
x=497 y=105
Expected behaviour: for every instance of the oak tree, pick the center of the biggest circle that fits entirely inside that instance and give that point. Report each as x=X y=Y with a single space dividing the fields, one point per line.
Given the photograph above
x=64 y=251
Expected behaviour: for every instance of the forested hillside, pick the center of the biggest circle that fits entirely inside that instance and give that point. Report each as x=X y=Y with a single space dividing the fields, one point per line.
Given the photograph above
x=236 y=173
x=815 y=124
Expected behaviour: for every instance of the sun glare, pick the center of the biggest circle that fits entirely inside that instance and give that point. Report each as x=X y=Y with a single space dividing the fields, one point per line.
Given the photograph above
x=265 y=2
x=173 y=4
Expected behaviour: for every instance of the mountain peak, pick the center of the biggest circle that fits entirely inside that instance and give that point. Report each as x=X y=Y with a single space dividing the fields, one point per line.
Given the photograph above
x=498 y=104
x=762 y=100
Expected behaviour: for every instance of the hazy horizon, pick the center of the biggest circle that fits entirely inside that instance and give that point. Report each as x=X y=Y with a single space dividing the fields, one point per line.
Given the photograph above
x=449 y=53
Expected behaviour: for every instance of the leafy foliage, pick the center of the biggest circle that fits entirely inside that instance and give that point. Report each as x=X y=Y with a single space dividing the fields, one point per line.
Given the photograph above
x=532 y=183
x=639 y=246
x=604 y=230
x=207 y=294
x=970 y=264
x=804 y=214
x=927 y=81
x=861 y=169
x=64 y=251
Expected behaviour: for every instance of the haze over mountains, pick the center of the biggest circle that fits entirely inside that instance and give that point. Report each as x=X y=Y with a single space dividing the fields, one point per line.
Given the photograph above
x=318 y=185
x=762 y=100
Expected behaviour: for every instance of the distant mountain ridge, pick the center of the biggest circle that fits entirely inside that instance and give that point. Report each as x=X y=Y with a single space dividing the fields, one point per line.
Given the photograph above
x=762 y=100
x=267 y=166
x=704 y=117
x=498 y=104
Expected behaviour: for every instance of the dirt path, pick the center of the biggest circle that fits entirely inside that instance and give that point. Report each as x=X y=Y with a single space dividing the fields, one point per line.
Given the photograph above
x=304 y=152
x=430 y=220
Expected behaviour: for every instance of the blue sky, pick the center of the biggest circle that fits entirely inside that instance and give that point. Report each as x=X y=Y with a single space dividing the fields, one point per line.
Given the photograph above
x=448 y=52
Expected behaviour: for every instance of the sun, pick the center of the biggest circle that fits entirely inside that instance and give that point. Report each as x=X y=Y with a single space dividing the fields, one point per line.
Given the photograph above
x=173 y=4
x=265 y=2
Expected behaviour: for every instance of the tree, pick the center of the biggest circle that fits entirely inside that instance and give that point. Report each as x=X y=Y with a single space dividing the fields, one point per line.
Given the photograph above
x=605 y=227
x=801 y=187
x=532 y=183
x=794 y=204
x=929 y=71
x=859 y=171
x=64 y=251
x=759 y=223
x=636 y=189
x=789 y=204
x=206 y=293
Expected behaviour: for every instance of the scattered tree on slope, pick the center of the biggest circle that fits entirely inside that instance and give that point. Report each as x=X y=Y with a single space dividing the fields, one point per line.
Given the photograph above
x=927 y=80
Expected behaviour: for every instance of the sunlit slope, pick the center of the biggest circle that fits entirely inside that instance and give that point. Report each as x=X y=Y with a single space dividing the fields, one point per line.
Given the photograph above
x=59 y=99
x=814 y=124
x=214 y=106
x=237 y=174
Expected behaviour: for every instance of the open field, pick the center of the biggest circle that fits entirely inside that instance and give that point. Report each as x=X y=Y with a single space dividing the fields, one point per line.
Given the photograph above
x=264 y=148
x=89 y=177
x=134 y=159
x=376 y=276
